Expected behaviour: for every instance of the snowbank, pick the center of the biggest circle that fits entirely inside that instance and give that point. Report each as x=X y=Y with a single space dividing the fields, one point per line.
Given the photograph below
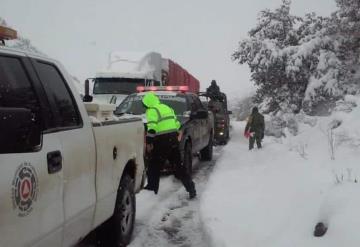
x=276 y=196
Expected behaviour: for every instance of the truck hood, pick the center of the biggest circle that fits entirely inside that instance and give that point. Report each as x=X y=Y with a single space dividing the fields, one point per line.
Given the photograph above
x=105 y=98
x=182 y=119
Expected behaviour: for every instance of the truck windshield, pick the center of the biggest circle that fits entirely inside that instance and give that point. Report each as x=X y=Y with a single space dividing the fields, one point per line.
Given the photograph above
x=133 y=105
x=116 y=85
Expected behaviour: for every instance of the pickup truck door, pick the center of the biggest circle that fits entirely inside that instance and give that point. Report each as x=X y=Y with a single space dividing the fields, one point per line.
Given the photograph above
x=31 y=182
x=78 y=151
x=195 y=125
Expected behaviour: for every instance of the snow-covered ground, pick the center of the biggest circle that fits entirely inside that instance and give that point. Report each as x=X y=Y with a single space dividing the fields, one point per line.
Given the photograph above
x=170 y=218
x=276 y=196
x=271 y=197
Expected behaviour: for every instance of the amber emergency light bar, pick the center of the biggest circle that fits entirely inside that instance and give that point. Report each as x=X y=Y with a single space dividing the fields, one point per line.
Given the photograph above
x=7 y=33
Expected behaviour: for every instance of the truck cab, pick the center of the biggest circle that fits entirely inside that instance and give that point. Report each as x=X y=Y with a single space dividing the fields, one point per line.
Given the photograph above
x=65 y=166
x=110 y=88
x=218 y=106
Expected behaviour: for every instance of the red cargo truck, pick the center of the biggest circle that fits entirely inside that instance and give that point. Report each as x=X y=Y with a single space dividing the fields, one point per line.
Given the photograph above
x=175 y=75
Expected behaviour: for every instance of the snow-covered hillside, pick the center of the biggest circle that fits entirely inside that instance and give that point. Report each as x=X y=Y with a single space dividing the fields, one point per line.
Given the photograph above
x=276 y=196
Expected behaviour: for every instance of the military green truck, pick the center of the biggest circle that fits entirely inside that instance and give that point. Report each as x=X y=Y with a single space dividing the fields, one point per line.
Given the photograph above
x=219 y=107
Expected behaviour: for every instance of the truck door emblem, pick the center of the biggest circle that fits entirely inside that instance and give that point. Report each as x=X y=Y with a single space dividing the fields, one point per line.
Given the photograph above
x=25 y=187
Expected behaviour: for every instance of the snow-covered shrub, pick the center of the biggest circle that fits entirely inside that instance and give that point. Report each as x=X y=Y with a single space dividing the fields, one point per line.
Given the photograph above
x=345 y=176
x=306 y=119
x=292 y=126
x=343 y=106
x=242 y=108
x=274 y=126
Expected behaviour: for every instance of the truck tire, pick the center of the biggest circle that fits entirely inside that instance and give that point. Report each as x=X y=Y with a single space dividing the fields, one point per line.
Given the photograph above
x=206 y=153
x=227 y=135
x=124 y=213
x=188 y=158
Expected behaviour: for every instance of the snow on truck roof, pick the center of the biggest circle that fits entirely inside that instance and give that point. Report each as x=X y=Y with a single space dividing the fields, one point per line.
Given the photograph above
x=112 y=74
x=133 y=65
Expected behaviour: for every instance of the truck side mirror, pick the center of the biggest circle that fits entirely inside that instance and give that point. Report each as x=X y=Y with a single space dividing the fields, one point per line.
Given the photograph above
x=18 y=130
x=87 y=96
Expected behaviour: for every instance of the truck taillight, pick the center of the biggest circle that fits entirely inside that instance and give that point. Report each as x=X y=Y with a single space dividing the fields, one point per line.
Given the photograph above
x=183 y=88
x=140 y=89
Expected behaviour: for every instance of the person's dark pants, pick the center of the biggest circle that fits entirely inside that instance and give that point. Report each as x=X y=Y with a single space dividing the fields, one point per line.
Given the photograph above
x=166 y=147
x=257 y=137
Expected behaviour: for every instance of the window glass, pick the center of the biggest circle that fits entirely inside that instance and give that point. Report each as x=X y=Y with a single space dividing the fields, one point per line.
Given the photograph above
x=20 y=126
x=198 y=102
x=15 y=87
x=56 y=89
x=133 y=104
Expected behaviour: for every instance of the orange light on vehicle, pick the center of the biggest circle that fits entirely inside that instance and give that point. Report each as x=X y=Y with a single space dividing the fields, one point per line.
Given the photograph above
x=163 y=88
x=7 y=33
x=140 y=89
x=183 y=88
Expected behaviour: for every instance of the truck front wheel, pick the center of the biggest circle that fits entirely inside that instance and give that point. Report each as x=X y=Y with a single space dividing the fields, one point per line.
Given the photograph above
x=124 y=214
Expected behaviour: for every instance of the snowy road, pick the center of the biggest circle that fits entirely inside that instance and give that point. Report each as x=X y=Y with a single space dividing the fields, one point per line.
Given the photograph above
x=170 y=218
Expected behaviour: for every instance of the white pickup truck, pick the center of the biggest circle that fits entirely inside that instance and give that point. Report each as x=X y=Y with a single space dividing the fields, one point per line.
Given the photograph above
x=62 y=173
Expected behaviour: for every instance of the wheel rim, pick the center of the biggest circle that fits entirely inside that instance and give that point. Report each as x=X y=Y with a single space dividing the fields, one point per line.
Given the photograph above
x=126 y=213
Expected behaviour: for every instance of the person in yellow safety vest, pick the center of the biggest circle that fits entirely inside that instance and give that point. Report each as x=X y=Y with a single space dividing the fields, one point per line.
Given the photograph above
x=162 y=143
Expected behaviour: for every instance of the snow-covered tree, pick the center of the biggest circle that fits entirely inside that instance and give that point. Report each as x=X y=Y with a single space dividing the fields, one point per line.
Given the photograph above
x=348 y=20
x=303 y=63
x=337 y=72
x=267 y=56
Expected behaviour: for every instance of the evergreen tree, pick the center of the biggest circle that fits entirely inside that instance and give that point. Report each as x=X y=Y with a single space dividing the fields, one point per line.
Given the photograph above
x=303 y=63
x=265 y=53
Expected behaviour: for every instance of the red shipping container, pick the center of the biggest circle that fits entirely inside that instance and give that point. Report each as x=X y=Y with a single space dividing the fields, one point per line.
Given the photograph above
x=178 y=76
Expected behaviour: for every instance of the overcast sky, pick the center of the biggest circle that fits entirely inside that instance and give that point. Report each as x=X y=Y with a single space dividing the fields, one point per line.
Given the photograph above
x=200 y=35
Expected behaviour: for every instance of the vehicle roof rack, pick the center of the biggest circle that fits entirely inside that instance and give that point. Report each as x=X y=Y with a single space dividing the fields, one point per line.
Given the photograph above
x=7 y=33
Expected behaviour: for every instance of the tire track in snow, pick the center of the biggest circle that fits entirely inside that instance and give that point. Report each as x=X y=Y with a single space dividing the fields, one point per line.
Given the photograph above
x=169 y=218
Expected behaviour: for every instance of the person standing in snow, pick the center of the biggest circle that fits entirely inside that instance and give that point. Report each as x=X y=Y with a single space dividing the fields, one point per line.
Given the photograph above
x=162 y=144
x=255 y=128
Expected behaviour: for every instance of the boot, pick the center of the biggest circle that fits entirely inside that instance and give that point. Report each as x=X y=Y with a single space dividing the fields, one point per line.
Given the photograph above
x=191 y=189
x=192 y=194
x=147 y=187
